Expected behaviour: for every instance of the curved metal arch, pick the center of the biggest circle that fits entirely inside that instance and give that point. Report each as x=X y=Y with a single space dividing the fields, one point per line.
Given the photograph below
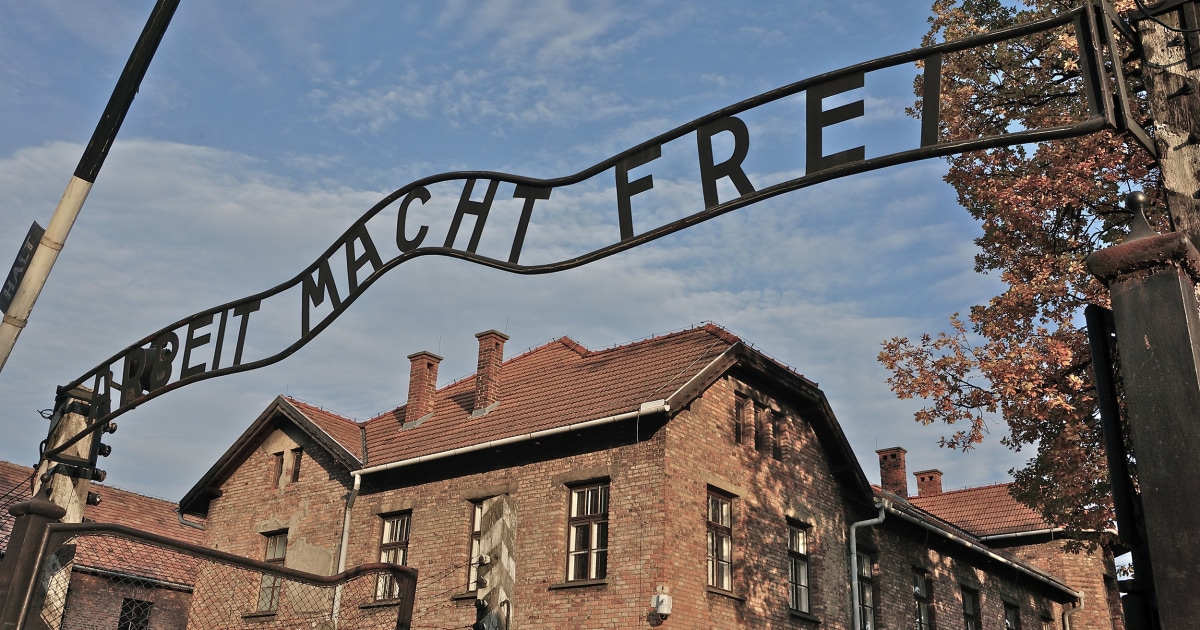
x=153 y=347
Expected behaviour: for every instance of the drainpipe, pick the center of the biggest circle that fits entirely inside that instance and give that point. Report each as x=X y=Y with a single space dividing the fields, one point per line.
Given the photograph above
x=854 y=603
x=199 y=526
x=341 y=565
x=1067 y=614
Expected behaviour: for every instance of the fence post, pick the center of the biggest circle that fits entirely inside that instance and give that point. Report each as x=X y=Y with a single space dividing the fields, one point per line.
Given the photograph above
x=1152 y=280
x=17 y=571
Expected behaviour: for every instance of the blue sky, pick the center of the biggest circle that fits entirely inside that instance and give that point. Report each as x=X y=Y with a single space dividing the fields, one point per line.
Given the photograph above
x=263 y=130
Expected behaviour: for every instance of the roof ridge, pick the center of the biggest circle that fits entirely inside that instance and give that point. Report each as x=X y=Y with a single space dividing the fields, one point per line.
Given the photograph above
x=705 y=326
x=564 y=340
x=331 y=412
x=964 y=489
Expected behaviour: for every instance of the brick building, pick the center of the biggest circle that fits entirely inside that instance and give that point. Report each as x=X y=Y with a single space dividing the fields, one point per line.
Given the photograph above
x=115 y=583
x=686 y=480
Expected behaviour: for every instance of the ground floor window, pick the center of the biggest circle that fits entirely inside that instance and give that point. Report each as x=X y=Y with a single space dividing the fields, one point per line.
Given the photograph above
x=587 y=533
x=970 y=598
x=393 y=548
x=720 y=540
x=271 y=586
x=866 y=590
x=798 y=588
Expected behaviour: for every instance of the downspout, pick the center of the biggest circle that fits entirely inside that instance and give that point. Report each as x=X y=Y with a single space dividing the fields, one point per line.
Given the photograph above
x=854 y=603
x=341 y=565
x=199 y=526
x=1067 y=614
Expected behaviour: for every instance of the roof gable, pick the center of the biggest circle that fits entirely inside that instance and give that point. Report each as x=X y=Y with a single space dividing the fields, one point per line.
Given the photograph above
x=333 y=433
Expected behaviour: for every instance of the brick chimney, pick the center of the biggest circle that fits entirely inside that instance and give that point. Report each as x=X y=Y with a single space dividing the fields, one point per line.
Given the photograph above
x=422 y=383
x=892 y=475
x=929 y=483
x=487 y=376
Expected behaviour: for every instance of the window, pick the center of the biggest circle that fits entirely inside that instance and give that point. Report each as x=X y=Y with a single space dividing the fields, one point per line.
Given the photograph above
x=393 y=548
x=720 y=540
x=587 y=533
x=268 y=592
x=798 y=591
x=135 y=614
x=296 y=455
x=278 y=475
x=866 y=590
x=741 y=405
x=760 y=429
x=970 y=599
x=476 y=536
x=923 y=614
x=1012 y=616
x=776 y=436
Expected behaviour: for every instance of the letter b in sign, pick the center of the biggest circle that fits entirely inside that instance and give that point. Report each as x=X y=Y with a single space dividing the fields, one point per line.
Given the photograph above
x=148 y=369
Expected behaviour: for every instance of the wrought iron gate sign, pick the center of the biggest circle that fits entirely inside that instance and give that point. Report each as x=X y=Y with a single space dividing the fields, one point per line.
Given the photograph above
x=265 y=328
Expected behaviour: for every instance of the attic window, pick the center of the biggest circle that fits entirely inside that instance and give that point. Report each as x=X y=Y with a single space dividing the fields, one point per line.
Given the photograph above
x=297 y=455
x=278 y=469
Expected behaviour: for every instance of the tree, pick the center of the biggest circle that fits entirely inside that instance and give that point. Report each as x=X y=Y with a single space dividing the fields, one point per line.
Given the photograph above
x=1021 y=361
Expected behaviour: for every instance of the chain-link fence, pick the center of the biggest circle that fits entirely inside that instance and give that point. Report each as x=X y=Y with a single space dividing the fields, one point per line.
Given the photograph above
x=16 y=485
x=95 y=576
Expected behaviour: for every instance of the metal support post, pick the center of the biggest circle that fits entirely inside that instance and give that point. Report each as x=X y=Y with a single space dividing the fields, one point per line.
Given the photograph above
x=17 y=577
x=1152 y=279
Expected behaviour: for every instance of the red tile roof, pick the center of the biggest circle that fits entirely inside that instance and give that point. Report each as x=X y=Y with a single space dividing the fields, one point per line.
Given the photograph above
x=117 y=506
x=553 y=385
x=345 y=431
x=982 y=511
x=120 y=507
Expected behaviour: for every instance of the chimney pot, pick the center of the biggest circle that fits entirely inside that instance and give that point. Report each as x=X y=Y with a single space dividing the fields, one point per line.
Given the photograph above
x=422 y=384
x=929 y=482
x=892 y=474
x=487 y=376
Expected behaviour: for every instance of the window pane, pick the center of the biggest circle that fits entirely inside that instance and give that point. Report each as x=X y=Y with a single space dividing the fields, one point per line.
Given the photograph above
x=600 y=538
x=577 y=568
x=276 y=547
x=580 y=536
x=798 y=540
x=268 y=594
x=600 y=564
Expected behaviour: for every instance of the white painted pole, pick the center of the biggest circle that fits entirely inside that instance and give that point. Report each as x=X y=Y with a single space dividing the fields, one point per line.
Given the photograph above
x=85 y=175
x=41 y=263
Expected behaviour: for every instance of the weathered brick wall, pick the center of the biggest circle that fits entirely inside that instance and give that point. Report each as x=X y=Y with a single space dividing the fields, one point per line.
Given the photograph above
x=94 y=603
x=903 y=547
x=657 y=536
x=702 y=453
x=255 y=501
x=1092 y=573
x=440 y=537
